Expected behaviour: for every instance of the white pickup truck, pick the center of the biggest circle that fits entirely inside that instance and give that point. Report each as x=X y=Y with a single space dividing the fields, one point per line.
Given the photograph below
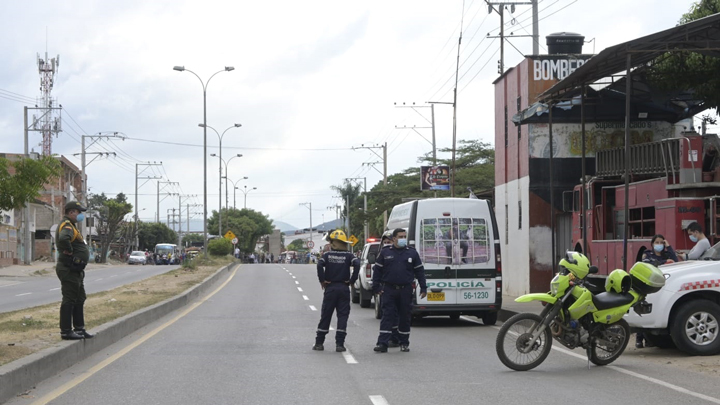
x=686 y=311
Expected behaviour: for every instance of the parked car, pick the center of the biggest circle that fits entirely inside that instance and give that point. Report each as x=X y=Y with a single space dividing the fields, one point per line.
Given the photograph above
x=686 y=310
x=361 y=291
x=137 y=257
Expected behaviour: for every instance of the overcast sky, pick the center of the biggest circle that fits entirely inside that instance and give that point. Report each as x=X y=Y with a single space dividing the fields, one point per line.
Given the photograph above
x=312 y=79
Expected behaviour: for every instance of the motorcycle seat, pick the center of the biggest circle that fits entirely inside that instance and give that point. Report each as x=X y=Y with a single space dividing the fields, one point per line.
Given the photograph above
x=609 y=300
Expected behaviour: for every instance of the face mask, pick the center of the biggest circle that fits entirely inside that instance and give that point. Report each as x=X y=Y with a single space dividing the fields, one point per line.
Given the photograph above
x=402 y=243
x=80 y=217
x=658 y=248
x=693 y=238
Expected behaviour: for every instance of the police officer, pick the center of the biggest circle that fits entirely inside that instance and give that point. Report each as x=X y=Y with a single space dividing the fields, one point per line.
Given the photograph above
x=73 y=255
x=385 y=242
x=395 y=269
x=333 y=270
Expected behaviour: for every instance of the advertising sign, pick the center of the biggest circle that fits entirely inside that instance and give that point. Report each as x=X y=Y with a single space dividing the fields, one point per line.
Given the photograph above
x=435 y=178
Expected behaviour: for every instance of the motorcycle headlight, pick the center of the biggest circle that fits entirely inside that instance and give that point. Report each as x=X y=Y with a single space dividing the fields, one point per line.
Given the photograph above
x=555 y=285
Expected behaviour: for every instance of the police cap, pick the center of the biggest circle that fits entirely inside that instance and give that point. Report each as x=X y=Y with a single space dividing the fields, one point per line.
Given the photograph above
x=74 y=205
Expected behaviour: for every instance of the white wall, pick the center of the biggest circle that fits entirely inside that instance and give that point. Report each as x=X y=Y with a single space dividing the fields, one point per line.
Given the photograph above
x=516 y=253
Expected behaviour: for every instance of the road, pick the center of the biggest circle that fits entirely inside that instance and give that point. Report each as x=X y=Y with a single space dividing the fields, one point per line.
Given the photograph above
x=250 y=342
x=25 y=292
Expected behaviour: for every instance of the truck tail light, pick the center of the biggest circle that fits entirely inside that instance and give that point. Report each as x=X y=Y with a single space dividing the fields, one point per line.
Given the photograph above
x=368 y=270
x=498 y=259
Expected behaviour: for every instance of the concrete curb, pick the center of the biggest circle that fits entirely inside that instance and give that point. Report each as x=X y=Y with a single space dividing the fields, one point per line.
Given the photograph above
x=23 y=374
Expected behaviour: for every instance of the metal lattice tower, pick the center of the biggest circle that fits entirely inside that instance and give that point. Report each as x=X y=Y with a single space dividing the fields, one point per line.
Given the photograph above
x=48 y=123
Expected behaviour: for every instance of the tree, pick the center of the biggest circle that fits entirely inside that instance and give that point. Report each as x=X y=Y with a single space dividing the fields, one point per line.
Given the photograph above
x=152 y=233
x=110 y=214
x=191 y=238
x=220 y=247
x=297 y=245
x=691 y=70
x=21 y=180
x=248 y=225
x=351 y=194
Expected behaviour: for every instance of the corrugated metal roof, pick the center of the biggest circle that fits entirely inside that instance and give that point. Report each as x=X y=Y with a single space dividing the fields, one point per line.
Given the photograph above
x=702 y=36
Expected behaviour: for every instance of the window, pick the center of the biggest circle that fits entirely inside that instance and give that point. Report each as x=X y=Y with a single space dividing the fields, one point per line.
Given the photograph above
x=506 y=126
x=519 y=214
x=519 y=127
x=455 y=241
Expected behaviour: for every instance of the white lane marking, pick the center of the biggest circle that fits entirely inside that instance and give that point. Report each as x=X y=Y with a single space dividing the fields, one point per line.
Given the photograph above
x=305 y=297
x=300 y=289
x=294 y=277
x=8 y=285
x=114 y=275
x=290 y=273
x=98 y=279
x=634 y=374
x=378 y=400
x=297 y=282
x=312 y=307
x=20 y=295
x=349 y=357
x=331 y=328
x=53 y=289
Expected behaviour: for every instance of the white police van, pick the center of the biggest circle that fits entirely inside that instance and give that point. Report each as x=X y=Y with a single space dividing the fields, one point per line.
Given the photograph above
x=458 y=242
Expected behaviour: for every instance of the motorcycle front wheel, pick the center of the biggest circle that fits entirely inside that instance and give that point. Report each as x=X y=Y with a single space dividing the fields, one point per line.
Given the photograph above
x=610 y=343
x=514 y=345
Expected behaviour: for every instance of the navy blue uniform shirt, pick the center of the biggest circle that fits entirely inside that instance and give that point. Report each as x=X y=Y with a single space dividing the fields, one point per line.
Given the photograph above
x=334 y=266
x=398 y=266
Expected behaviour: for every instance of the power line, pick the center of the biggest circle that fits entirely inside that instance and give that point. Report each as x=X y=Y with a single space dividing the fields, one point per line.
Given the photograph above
x=235 y=147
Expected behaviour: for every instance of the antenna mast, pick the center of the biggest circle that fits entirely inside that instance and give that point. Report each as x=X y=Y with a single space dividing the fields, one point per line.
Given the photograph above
x=47 y=123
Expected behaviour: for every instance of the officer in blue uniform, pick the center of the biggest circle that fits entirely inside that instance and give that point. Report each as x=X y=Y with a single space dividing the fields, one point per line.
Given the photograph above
x=395 y=269
x=386 y=241
x=333 y=270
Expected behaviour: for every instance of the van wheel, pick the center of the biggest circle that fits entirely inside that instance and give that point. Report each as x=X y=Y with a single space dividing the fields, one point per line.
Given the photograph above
x=489 y=318
x=364 y=297
x=455 y=317
x=378 y=307
x=354 y=295
x=695 y=328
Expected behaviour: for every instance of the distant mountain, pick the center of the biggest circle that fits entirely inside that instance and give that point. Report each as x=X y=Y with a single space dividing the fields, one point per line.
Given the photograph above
x=284 y=226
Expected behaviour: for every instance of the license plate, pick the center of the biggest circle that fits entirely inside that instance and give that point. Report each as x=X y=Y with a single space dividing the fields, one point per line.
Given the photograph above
x=440 y=296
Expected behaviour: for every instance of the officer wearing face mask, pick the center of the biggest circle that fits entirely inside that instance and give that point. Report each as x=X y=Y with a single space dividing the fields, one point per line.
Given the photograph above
x=73 y=255
x=395 y=269
x=386 y=242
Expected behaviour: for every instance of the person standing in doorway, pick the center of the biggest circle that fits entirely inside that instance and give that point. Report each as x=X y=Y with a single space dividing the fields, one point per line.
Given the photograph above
x=73 y=255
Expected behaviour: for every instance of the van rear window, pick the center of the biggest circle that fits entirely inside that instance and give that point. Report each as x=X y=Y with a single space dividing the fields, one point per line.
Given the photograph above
x=454 y=241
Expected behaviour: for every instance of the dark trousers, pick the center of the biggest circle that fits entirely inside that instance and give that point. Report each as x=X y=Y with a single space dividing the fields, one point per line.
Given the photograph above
x=336 y=298
x=73 y=298
x=396 y=306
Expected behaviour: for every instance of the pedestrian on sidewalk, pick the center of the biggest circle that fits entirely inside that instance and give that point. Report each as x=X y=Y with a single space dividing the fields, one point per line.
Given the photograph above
x=333 y=271
x=70 y=269
x=395 y=269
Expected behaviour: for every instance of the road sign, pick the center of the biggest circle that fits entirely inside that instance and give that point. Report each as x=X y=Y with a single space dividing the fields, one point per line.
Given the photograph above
x=234 y=241
x=230 y=235
x=310 y=244
x=353 y=239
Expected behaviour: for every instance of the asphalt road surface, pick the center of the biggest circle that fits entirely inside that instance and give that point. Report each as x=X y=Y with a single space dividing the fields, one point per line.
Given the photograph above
x=250 y=342
x=25 y=292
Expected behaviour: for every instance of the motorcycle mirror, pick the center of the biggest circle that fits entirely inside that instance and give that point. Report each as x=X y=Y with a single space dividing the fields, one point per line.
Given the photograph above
x=593 y=270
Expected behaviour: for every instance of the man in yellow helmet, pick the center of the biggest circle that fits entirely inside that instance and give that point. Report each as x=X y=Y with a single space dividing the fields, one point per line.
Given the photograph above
x=333 y=270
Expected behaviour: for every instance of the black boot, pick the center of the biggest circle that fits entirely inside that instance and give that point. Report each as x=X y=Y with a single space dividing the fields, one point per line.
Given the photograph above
x=78 y=320
x=66 y=332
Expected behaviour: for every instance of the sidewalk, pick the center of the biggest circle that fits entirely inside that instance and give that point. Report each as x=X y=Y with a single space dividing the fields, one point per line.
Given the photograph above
x=510 y=307
x=21 y=270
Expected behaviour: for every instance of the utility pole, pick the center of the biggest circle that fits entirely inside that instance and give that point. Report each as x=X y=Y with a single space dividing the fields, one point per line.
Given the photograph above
x=309 y=205
x=137 y=174
x=431 y=127
x=501 y=11
x=372 y=164
x=365 y=223
x=167 y=194
x=180 y=202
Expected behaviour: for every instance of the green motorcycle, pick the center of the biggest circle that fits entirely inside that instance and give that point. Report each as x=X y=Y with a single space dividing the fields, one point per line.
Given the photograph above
x=575 y=317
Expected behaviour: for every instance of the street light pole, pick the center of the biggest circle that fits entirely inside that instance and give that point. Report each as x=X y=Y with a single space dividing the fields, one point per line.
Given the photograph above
x=235 y=187
x=220 y=163
x=204 y=86
x=246 y=191
x=309 y=205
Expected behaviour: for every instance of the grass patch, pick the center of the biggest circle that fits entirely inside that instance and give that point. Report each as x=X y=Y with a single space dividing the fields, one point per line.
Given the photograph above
x=30 y=330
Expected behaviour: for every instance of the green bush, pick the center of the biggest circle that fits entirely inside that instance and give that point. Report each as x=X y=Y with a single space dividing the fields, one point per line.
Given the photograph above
x=220 y=247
